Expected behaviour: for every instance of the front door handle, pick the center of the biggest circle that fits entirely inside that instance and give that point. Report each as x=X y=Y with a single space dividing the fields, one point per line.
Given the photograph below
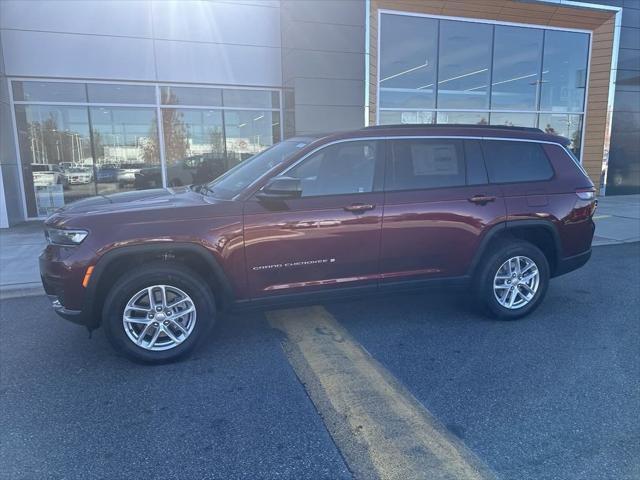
x=481 y=199
x=359 y=207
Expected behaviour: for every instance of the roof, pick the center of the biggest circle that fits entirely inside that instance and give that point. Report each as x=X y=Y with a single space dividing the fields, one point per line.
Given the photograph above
x=454 y=130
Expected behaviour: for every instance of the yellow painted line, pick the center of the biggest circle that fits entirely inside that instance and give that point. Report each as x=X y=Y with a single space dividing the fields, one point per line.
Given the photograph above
x=379 y=427
x=597 y=217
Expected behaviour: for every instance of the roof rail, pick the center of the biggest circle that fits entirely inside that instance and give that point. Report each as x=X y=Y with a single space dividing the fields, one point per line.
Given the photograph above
x=455 y=125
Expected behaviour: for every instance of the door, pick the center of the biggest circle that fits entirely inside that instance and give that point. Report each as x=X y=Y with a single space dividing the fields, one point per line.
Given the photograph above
x=328 y=237
x=437 y=206
x=523 y=171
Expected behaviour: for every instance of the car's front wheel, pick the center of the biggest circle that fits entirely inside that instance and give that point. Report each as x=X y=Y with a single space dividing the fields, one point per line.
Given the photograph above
x=512 y=280
x=158 y=313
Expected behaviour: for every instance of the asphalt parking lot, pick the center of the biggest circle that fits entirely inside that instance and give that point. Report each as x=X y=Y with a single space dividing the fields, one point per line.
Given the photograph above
x=553 y=396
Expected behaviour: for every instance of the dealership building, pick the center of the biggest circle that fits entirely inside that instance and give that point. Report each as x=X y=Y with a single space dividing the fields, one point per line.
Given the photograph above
x=99 y=97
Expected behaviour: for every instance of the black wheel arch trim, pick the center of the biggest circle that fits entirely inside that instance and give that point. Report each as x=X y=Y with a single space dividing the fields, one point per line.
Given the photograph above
x=505 y=226
x=90 y=309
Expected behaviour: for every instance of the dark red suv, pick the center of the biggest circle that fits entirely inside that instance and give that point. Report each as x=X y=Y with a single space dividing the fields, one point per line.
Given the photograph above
x=498 y=210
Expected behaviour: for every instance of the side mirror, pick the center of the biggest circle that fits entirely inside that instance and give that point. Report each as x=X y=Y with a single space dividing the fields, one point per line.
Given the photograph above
x=280 y=188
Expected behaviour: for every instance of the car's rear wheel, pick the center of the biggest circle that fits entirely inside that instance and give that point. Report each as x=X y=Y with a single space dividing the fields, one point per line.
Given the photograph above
x=513 y=279
x=158 y=313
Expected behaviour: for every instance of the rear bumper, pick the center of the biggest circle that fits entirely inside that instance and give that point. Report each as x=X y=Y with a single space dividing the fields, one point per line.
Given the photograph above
x=569 y=264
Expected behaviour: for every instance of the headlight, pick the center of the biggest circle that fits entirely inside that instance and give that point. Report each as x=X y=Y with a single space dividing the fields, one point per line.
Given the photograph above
x=57 y=236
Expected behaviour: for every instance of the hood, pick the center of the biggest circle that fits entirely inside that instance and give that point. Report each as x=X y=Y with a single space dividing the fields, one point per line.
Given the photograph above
x=138 y=201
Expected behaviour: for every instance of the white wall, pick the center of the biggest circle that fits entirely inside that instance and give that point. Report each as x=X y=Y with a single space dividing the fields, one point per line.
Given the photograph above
x=234 y=42
x=228 y=42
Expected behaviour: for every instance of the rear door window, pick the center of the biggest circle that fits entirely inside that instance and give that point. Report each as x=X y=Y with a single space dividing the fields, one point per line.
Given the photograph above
x=514 y=162
x=418 y=164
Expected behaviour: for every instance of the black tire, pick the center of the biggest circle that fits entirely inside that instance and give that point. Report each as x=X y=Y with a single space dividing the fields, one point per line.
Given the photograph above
x=497 y=255
x=160 y=273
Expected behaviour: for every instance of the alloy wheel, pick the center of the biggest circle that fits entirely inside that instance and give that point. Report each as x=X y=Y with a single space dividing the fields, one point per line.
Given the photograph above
x=516 y=282
x=159 y=317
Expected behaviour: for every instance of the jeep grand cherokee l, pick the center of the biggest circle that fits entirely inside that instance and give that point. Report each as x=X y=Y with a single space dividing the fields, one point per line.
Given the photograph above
x=498 y=210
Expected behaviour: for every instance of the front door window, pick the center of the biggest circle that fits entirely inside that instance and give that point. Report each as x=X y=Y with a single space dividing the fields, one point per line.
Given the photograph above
x=340 y=169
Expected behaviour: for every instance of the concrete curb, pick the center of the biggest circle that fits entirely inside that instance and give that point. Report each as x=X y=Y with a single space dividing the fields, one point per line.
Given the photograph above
x=18 y=290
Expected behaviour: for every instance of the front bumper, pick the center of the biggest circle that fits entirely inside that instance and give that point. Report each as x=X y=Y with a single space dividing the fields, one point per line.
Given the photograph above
x=62 y=281
x=75 y=316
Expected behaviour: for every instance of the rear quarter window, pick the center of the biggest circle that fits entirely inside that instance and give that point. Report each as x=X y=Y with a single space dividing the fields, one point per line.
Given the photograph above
x=511 y=162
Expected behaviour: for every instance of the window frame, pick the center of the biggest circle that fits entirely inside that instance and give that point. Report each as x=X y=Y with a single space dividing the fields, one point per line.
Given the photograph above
x=434 y=111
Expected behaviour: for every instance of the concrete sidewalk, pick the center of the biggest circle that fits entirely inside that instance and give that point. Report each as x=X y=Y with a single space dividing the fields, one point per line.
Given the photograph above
x=20 y=247
x=617 y=221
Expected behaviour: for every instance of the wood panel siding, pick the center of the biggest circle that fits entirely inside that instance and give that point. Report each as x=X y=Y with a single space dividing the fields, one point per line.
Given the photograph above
x=600 y=23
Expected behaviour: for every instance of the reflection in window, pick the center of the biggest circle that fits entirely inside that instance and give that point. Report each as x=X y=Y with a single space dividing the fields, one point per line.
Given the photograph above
x=565 y=125
x=193 y=145
x=515 y=85
x=55 y=150
x=249 y=132
x=564 y=74
x=464 y=64
x=513 y=119
x=119 y=93
x=198 y=96
x=251 y=98
x=516 y=68
x=394 y=117
x=408 y=62
x=126 y=148
x=343 y=168
x=466 y=118
x=49 y=92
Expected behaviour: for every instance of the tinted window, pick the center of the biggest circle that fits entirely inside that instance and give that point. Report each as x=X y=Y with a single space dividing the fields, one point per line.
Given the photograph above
x=342 y=168
x=517 y=56
x=408 y=61
x=564 y=71
x=251 y=98
x=476 y=172
x=418 y=164
x=516 y=161
x=191 y=96
x=464 y=63
x=49 y=92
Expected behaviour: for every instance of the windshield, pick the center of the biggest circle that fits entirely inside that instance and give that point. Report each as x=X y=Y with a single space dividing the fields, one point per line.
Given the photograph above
x=244 y=174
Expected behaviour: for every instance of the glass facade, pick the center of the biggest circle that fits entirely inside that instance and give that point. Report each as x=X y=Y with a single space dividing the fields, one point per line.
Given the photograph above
x=78 y=140
x=456 y=71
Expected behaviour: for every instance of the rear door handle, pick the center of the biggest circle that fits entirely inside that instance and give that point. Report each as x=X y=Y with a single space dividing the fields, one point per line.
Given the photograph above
x=481 y=199
x=359 y=207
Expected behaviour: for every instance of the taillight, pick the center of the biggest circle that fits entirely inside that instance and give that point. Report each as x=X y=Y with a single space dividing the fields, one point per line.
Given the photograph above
x=586 y=193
